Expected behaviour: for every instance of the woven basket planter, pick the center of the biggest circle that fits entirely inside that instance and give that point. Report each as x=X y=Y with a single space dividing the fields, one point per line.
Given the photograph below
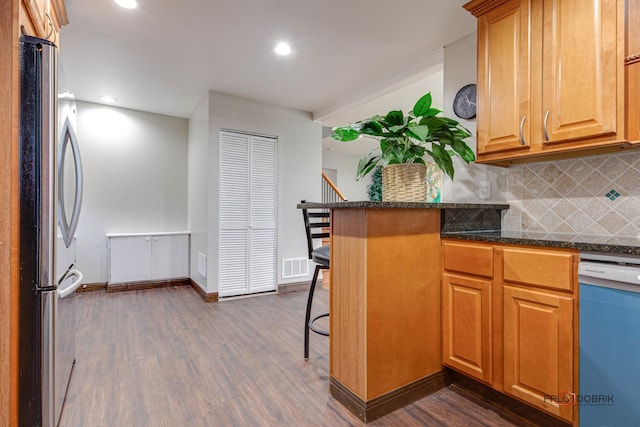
x=406 y=182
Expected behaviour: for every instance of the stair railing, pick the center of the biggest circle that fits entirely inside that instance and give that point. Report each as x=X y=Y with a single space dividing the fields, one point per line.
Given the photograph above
x=330 y=193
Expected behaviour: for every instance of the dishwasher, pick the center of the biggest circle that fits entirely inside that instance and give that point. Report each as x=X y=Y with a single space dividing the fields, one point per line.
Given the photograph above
x=609 y=340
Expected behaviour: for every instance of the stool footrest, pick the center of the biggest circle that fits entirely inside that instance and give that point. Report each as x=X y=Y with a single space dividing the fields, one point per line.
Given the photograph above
x=317 y=330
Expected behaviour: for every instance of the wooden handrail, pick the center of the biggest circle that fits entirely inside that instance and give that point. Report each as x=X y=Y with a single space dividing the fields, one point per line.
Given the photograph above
x=333 y=186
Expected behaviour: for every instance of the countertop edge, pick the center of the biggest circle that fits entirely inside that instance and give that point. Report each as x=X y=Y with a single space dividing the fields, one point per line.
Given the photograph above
x=400 y=205
x=580 y=246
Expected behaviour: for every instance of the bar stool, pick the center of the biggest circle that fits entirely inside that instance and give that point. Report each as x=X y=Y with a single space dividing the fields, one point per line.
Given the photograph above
x=313 y=220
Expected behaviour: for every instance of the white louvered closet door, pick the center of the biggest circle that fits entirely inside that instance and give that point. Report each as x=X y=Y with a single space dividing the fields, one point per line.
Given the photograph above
x=262 y=215
x=247 y=245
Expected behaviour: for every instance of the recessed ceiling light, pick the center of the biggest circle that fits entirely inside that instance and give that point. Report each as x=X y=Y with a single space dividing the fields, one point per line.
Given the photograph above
x=108 y=99
x=127 y=4
x=283 y=49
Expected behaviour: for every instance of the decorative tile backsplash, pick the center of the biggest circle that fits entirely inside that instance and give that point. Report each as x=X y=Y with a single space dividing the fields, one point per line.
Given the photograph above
x=592 y=195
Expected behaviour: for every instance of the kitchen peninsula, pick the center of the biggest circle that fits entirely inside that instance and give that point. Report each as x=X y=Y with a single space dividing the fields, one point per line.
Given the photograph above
x=385 y=323
x=424 y=295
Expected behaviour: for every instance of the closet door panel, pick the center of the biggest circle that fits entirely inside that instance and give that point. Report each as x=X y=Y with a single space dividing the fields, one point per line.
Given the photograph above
x=233 y=243
x=248 y=197
x=262 y=226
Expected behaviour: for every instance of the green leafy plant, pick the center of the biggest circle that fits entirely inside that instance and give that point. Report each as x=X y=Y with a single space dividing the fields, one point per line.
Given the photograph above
x=375 y=188
x=407 y=139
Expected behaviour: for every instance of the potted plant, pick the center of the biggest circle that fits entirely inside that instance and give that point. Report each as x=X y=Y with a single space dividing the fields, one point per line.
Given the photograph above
x=404 y=142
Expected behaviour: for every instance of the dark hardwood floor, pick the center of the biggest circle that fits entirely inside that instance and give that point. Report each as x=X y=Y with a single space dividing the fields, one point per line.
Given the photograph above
x=164 y=357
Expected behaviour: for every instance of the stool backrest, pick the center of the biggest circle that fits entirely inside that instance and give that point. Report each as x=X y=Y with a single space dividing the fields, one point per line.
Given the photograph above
x=315 y=219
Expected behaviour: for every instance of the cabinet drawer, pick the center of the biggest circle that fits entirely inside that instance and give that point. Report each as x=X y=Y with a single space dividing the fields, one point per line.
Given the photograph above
x=469 y=258
x=548 y=269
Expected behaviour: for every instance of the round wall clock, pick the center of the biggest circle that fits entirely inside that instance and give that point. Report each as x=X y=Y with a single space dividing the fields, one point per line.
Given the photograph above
x=464 y=103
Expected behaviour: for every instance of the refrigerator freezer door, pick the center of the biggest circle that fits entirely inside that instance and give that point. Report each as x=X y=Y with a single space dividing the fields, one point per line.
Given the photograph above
x=37 y=231
x=47 y=287
x=64 y=338
x=48 y=308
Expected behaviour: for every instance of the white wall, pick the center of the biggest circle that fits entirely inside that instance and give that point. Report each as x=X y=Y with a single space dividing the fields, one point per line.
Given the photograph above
x=460 y=65
x=198 y=210
x=344 y=157
x=135 y=171
x=346 y=167
x=299 y=170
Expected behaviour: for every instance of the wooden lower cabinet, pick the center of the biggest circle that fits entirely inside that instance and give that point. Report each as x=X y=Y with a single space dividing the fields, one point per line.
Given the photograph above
x=466 y=325
x=385 y=330
x=516 y=329
x=538 y=349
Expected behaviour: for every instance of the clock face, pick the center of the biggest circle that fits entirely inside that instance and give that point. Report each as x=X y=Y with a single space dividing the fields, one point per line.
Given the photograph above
x=464 y=103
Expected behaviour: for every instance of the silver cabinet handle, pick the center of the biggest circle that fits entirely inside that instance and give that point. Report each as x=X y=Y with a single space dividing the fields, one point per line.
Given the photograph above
x=522 y=141
x=546 y=134
x=69 y=226
x=51 y=30
x=63 y=293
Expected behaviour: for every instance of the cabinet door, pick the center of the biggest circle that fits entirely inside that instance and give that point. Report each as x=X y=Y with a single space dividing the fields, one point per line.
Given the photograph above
x=39 y=14
x=580 y=69
x=233 y=247
x=262 y=217
x=247 y=242
x=633 y=30
x=632 y=72
x=169 y=256
x=466 y=325
x=504 y=120
x=24 y=21
x=538 y=348
x=129 y=259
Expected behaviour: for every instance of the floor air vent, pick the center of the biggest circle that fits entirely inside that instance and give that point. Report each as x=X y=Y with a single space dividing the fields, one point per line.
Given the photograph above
x=295 y=267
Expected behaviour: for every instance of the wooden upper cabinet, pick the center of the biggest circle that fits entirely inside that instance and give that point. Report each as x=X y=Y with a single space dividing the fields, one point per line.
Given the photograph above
x=43 y=18
x=632 y=70
x=503 y=115
x=632 y=31
x=580 y=70
x=550 y=77
x=632 y=73
x=59 y=18
x=37 y=13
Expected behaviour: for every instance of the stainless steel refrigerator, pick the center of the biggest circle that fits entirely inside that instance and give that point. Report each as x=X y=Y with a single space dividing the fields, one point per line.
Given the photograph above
x=50 y=202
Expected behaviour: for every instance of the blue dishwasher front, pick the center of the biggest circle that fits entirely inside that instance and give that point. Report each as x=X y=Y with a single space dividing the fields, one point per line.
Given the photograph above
x=609 y=356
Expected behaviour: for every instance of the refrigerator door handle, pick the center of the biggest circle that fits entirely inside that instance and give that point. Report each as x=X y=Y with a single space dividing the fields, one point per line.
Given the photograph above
x=68 y=228
x=63 y=293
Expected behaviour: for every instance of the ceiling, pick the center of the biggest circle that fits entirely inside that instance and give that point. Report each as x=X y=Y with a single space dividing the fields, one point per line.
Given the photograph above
x=165 y=55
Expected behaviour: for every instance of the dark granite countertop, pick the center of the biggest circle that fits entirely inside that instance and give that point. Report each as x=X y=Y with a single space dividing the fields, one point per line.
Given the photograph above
x=614 y=245
x=481 y=222
x=401 y=205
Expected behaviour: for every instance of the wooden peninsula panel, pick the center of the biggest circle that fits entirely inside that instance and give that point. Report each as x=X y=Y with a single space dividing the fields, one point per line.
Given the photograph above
x=385 y=300
x=347 y=321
